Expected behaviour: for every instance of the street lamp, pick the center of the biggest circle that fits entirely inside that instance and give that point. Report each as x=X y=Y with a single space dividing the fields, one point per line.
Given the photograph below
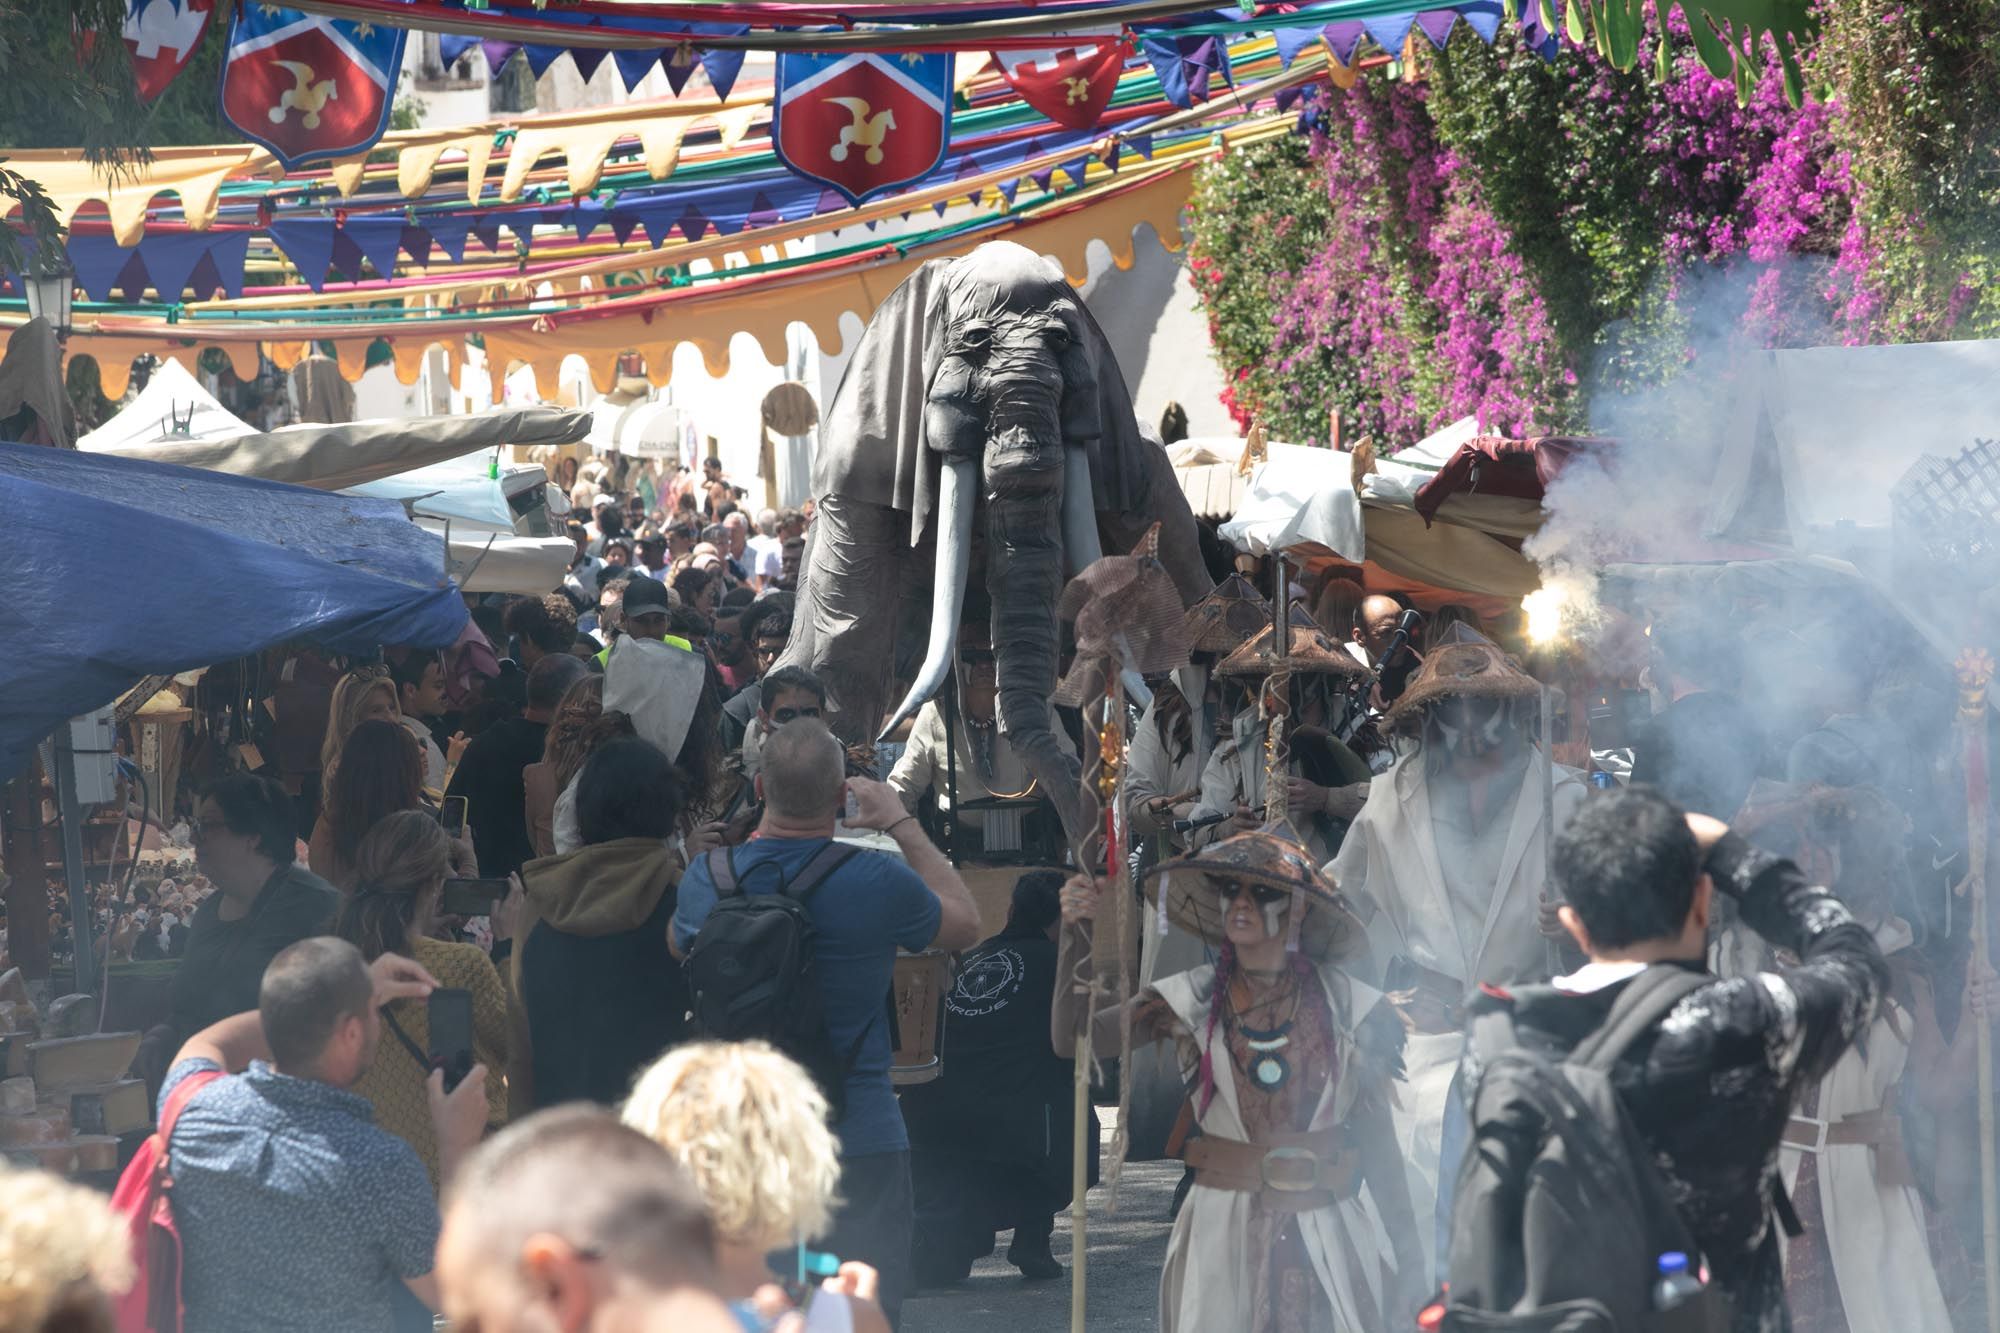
x=50 y=285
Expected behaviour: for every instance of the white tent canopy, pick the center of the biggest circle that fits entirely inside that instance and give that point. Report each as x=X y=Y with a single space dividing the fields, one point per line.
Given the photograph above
x=644 y=429
x=171 y=396
x=1302 y=495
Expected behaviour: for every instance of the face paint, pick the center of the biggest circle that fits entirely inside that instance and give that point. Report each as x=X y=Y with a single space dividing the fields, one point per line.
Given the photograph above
x=1274 y=916
x=1470 y=727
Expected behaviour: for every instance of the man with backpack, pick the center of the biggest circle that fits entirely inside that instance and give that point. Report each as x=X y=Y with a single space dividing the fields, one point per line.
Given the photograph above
x=1629 y=1115
x=792 y=937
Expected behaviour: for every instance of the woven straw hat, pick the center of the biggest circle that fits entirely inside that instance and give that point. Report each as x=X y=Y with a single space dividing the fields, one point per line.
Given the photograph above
x=1472 y=668
x=1312 y=650
x=1269 y=856
x=1221 y=621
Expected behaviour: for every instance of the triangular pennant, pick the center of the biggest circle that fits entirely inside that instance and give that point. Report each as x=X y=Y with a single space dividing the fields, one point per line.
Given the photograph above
x=623 y=220
x=1142 y=144
x=1070 y=84
x=1343 y=39
x=448 y=232
x=1044 y=179
x=1484 y=22
x=586 y=217
x=1291 y=41
x=633 y=66
x=1076 y=169
x=722 y=67
x=1437 y=24
x=308 y=243
x=680 y=64
x=1390 y=31
x=223 y=265
x=162 y=35
x=940 y=206
x=348 y=258
x=170 y=260
x=540 y=57
x=98 y=260
x=1185 y=64
x=692 y=223
x=498 y=52
x=416 y=243
x=451 y=48
x=378 y=239
x=587 y=59
x=763 y=213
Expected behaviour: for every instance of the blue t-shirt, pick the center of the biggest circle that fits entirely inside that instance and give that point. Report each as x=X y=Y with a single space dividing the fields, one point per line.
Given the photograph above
x=863 y=912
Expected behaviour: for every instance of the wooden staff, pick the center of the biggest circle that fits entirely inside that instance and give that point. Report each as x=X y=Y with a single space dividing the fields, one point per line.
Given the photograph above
x=1975 y=672
x=1551 y=954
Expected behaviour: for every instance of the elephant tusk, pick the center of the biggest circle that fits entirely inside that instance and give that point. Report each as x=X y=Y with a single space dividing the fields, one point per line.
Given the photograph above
x=1079 y=512
x=958 y=485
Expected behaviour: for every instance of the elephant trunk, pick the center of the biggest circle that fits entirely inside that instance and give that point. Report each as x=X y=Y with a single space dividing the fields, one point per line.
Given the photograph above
x=958 y=487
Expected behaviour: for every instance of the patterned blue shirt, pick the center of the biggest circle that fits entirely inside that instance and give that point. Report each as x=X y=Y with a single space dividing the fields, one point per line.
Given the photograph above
x=295 y=1211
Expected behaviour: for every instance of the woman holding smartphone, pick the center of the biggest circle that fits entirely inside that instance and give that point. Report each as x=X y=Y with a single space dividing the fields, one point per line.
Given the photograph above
x=400 y=871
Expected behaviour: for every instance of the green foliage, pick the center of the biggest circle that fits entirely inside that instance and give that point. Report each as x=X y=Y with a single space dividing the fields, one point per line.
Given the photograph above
x=66 y=82
x=1259 y=215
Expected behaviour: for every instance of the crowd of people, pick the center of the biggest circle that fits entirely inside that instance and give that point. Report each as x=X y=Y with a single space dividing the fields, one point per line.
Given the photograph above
x=598 y=830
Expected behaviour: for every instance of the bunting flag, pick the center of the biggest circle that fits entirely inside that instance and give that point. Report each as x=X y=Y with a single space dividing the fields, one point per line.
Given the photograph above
x=862 y=124
x=161 y=35
x=307 y=87
x=1185 y=62
x=1071 y=85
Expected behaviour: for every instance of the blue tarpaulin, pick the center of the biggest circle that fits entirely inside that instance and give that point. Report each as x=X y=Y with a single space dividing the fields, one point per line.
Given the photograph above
x=117 y=569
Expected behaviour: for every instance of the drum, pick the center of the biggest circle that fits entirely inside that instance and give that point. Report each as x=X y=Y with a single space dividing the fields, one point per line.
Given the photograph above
x=922 y=981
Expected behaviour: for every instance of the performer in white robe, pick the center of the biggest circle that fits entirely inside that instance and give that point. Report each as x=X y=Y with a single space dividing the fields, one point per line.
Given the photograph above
x=1164 y=761
x=1299 y=1220
x=1446 y=862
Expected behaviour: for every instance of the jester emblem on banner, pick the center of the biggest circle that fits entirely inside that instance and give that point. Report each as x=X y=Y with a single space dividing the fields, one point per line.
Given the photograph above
x=307 y=87
x=862 y=124
x=162 y=34
x=1070 y=84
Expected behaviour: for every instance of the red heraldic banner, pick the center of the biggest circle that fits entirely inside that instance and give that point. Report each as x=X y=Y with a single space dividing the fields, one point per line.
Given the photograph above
x=1071 y=85
x=307 y=87
x=161 y=35
x=862 y=124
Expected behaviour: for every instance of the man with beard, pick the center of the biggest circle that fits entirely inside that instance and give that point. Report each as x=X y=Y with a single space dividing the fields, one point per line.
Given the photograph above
x=1446 y=862
x=990 y=1140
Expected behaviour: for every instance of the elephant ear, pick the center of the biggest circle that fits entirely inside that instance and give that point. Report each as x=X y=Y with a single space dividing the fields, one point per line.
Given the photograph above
x=872 y=443
x=1120 y=466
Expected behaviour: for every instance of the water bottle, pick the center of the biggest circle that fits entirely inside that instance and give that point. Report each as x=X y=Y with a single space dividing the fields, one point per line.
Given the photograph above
x=1677 y=1285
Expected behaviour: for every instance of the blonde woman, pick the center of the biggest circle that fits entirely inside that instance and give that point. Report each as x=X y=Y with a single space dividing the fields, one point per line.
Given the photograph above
x=64 y=1256
x=399 y=874
x=363 y=695
x=749 y=1126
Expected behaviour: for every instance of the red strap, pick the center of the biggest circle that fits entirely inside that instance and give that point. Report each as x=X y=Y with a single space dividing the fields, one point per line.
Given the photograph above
x=183 y=1093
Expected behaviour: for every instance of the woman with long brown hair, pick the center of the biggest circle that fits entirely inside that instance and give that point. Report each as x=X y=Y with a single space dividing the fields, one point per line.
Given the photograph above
x=567 y=744
x=400 y=869
x=381 y=772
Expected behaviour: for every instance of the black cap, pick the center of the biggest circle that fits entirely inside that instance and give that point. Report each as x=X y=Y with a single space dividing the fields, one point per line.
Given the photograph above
x=644 y=596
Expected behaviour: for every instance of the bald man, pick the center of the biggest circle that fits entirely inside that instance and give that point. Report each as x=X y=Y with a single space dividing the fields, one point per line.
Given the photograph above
x=864 y=906
x=570 y=1220
x=1378 y=620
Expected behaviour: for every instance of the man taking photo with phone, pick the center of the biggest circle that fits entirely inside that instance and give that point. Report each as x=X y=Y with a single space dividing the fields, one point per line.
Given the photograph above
x=294 y=1210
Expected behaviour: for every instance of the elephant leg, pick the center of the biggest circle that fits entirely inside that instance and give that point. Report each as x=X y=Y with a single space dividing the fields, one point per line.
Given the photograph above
x=1024 y=577
x=843 y=629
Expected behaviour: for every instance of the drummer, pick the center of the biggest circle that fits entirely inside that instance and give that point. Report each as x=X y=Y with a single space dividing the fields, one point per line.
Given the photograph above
x=1001 y=815
x=864 y=908
x=990 y=1140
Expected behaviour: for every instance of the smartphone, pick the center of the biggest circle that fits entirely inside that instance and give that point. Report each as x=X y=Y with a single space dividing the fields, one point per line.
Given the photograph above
x=450 y=1015
x=451 y=815
x=472 y=897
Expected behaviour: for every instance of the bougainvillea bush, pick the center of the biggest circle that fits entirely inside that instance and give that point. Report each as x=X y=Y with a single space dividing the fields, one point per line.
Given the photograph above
x=1511 y=237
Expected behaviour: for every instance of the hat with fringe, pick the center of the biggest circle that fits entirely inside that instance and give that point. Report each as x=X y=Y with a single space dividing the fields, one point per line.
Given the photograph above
x=1312 y=650
x=1271 y=856
x=1232 y=613
x=1472 y=668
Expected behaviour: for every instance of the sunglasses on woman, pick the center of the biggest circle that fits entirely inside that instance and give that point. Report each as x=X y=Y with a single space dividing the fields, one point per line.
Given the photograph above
x=1228 y=891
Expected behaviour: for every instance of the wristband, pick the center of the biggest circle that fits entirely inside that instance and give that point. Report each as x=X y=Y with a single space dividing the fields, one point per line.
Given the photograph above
x=891 y=830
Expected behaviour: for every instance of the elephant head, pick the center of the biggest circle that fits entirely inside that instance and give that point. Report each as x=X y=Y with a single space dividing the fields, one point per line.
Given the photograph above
x=985 y=403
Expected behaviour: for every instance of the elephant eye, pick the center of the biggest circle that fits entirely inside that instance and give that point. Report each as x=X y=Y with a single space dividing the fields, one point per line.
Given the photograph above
x=974 y=339
x=1057 y=336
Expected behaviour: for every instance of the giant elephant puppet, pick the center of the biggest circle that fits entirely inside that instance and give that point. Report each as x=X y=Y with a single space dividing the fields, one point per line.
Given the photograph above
x=983 y=413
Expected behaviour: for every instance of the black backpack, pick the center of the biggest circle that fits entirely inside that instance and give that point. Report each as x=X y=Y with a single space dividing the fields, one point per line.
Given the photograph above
x=1561 y=1215
x=751 y=973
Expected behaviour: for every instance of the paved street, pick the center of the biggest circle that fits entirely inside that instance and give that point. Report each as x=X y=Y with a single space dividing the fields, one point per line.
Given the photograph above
x=1126 y=1250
